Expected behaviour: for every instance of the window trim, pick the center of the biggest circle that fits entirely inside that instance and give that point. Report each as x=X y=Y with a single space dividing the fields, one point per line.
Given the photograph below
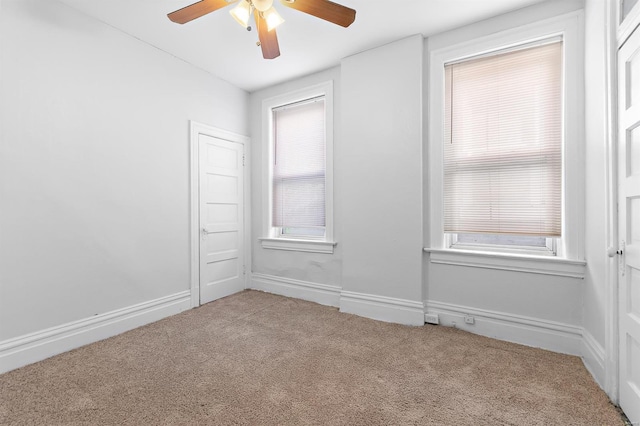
x=551 y=248
x=272 y=238
x=544 y=265
x=568 y=26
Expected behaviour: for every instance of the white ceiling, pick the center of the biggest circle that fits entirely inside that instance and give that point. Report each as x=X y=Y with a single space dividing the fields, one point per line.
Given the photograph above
x=217 y=44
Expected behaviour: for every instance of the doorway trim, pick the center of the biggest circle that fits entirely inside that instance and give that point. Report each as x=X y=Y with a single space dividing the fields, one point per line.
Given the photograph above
x=610 y=384
x=195 y=129
x=616 y=34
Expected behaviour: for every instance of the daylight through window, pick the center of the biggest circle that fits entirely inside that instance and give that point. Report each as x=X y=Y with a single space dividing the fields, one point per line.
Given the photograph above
x=503 y=150
x=299 y=169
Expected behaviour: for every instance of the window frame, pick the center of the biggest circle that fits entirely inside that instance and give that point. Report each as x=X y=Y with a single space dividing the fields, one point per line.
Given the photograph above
x=550 y=248
x=570 y=246
x=452 y=238
x=273 y=238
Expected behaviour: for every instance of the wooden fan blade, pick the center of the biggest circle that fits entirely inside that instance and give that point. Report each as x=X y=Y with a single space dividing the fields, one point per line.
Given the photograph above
x=324 y=9
x=197 y=10
x=268 y=39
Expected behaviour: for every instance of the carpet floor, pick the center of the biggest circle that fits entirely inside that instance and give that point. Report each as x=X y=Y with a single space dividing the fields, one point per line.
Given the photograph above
x=259 y=359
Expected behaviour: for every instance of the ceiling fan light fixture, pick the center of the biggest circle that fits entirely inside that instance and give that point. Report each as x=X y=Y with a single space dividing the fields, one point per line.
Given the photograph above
x=262 y=5
x=266 y=16
x=242 y=13
x=273 y=18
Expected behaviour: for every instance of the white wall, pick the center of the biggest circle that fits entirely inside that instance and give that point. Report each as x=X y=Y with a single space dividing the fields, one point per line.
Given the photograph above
x=381 y=183
x=549 y=307
x=377 y=189
x=94 y=155
x=309 y=267
x=381 y=179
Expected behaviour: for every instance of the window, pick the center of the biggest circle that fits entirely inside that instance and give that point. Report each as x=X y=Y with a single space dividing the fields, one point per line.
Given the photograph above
x=298 y=183
x=506 y=164
x=298 y=194
x=503 y=149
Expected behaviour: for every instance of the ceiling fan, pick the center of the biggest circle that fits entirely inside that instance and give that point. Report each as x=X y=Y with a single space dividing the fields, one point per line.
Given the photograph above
x=266 y=16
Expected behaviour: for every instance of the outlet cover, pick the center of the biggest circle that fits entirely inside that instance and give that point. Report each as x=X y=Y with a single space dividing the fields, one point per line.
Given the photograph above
x=431 y=319
x=468 y=319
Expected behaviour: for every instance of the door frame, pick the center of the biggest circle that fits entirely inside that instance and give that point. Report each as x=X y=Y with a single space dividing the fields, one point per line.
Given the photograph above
x=616 y=34
x=196 y=129
x=611 y=189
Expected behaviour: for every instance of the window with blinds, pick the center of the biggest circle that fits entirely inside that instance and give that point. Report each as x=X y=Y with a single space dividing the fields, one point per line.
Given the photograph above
x=299 y=166
x=503 y=144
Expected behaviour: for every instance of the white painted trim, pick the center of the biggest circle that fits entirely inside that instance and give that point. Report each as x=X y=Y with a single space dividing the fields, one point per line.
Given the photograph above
x=545 y=265
x=196 y=129
x=322 y=89
x=545 y=334
x=593 y=357
x=630 y=23
x=535 y=332
x=323 y=294
x=570 y=26
x=389 y=309
x=381 y=308
x=611 y=359
x=30 y=348
x=311 y=246
x=194 y=214
x=247 y=215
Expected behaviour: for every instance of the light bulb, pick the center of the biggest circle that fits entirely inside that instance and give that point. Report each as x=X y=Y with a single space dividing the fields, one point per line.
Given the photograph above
x=241 y=13
x=262 y=5
x=273 y=18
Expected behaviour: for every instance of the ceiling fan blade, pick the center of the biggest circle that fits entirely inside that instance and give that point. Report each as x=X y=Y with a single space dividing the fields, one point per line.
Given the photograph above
x=268 y=39
x=324 y=9
x=197 y=10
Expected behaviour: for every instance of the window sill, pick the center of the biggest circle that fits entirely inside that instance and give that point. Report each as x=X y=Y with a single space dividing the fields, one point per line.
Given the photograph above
x=298 y=245
x=509 y=262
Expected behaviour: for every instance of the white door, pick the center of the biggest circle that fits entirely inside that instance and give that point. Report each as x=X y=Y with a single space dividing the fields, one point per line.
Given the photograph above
x=221 y=217
x=629 y=224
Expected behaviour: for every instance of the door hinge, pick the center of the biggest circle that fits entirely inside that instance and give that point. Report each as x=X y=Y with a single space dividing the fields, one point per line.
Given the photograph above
x=244 y=270
x=243 y=159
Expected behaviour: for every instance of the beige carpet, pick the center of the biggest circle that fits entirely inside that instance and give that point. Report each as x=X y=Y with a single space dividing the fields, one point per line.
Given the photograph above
x=260 y=359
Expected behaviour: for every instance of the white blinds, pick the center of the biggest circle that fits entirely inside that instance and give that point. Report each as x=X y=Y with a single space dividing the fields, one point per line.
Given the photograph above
x=299 y=165
x=503 y=143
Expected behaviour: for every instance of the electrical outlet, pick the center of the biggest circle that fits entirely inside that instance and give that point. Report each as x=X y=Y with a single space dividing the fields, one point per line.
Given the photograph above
x=468 y=319
x=431 y=319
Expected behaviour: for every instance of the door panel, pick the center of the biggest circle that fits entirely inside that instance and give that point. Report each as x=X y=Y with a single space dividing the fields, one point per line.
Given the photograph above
x=633 y=152
x=221 y=218
x=634 y=292
x=629 y=224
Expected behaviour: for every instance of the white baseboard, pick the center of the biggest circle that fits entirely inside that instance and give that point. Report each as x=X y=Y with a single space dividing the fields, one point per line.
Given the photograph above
x=323 y=294
x=382 y=308
x=366 y=305
x=30 y=348
x=550 y=335
x=554 y=336
x=593 y=356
